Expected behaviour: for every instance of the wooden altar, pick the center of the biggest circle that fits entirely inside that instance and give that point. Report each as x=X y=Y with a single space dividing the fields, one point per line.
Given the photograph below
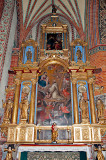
x=53 y=85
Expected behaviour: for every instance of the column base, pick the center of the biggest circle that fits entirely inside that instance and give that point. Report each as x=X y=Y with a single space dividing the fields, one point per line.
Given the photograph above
x=23 y=121
x=85 y=121
x=102 y=120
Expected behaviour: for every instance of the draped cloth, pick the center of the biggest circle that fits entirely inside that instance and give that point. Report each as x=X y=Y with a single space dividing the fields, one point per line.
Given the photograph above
x=53 y=155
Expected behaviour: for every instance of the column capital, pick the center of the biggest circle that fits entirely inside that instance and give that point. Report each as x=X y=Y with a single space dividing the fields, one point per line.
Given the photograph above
x=90 y=80
x=33 y=81
x=74 y=80
x=17 y=81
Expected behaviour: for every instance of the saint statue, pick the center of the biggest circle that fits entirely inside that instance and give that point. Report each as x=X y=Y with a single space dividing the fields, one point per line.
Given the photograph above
x=24 y=105
x=100 y=108
x=84 y=108
x=79 y=54
x=8 y=109
x=29 y=54
x=100 y=155
x=9 y=153
x=54 y=132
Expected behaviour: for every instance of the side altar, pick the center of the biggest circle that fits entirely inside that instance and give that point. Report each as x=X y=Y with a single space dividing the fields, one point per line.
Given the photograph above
x=53 y=92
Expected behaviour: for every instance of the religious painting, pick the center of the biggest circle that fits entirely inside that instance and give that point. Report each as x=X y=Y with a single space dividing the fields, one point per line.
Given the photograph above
x=54 y=41
x=54 y=99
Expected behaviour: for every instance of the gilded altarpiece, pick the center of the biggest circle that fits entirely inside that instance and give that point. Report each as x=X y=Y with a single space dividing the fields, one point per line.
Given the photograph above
x=53 y=97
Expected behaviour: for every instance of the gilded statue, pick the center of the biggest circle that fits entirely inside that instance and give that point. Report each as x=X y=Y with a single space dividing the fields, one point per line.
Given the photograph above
x=54 y=132
x=100 y=155
x=9 y=153
x=79 y=54
x=24 y=105
x=100 y=108
x=8 y=109
x=84 y=108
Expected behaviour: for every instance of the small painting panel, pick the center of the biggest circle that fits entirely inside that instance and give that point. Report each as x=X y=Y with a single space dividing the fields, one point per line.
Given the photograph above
x=54 y=41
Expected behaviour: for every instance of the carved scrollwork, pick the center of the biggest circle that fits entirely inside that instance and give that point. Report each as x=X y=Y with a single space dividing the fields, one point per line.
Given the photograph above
x=103 y=131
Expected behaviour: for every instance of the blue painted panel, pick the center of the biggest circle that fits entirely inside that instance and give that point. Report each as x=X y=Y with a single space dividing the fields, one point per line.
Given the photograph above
x=83 y=54
x=87 y=98
x=20 y=98
x=25 y=56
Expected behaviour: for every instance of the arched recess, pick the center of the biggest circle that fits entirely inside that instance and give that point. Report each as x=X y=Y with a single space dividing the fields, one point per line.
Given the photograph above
x=56 y=60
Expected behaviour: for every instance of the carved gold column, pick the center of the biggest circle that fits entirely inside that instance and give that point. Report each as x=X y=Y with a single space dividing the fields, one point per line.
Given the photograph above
x=86 y=53
x=32 y=104
x=65 y=32
x=43 y=35
x=36 y=44
x=72 y=53
x=16 y=101
x=75 y=102
x=91 y=98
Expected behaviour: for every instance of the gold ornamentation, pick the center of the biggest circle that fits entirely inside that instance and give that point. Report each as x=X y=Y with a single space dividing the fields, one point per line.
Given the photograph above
x=22 y=135
x=78 y=42
x=90 y=80
x=11 y=134
x=30 y=134
x=33 y=81
x=102 y=130
x=81 y=83
x=85 y=134
x=96 y=134
x=77 y=134
x=4 y=130
x=17 y=81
